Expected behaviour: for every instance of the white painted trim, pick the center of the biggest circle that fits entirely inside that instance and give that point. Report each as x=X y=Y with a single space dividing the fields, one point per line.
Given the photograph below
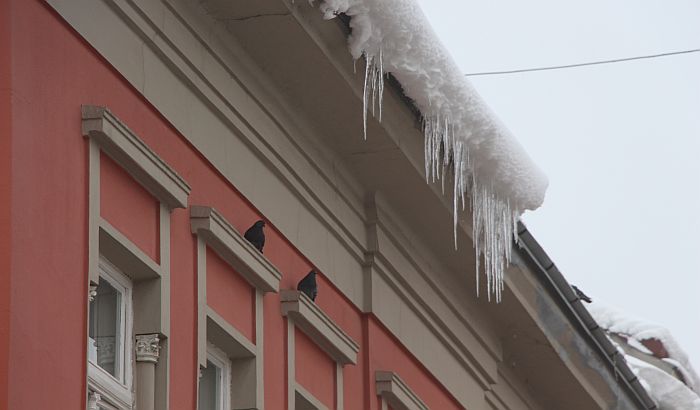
x=222 y=237
x=219 y=358
x=121 y=144
x=310 y=319
x=117 y=389
x=123 y=284
x=110 y=391
x=395 y=392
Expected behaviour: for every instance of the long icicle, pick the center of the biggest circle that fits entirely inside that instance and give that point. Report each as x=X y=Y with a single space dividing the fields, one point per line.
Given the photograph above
x=494 y=220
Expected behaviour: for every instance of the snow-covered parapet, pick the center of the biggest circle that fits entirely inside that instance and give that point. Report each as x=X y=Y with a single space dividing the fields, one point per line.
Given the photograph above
x=463 y=139
x=669 y=392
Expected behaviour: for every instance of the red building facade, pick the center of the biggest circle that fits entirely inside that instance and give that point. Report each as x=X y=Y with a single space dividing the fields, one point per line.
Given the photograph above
x=129 y=284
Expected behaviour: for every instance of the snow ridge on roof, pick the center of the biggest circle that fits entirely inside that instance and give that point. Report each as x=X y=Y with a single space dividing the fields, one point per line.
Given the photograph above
x=462 y=136
x=616 y=321
x=667 y=391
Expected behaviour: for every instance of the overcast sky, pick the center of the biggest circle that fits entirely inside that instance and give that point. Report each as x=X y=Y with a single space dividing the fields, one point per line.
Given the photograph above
x=620 y=143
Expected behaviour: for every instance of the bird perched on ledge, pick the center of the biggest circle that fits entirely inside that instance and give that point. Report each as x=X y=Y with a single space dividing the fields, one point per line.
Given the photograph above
x=256 y=236
x=581 y=295
x=308 y=285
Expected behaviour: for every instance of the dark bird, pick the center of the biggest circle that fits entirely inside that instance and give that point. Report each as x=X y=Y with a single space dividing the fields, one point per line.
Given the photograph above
x=581 y=295
x=256 y=235
x=308 y=285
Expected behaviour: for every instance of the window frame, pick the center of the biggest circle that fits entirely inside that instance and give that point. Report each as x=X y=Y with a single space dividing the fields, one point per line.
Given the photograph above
x=117 y=392
x=220 y=359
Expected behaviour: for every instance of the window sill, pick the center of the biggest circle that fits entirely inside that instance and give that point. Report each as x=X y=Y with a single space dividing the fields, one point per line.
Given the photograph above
x=109 y=388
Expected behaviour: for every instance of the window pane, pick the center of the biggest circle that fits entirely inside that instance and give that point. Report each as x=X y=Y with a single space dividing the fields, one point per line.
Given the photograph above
x=210 y=388
x=105 y=328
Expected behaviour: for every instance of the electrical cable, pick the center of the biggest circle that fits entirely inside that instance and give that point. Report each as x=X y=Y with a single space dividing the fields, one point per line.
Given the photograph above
x=559 y=67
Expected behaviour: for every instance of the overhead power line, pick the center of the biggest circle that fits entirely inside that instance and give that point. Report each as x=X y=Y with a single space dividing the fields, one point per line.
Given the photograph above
x=559 y=67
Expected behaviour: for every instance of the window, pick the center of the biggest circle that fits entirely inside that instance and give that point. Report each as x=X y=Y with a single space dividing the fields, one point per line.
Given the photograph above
x=215 y=381
x=110 y=340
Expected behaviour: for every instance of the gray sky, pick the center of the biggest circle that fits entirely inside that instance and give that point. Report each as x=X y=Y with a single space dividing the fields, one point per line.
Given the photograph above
x=620 y=143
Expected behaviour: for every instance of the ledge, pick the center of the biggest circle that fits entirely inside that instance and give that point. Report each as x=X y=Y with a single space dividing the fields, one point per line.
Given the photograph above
x=234 y=248
x=226 y=337
x=396 y=393
x=303 y=400
x=320 y=328
x=128 y=150
x=131 y=259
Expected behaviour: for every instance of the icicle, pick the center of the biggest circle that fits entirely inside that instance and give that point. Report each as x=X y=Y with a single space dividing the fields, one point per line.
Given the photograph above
x=380 y=80
x=494 y=220
x=373 y=87
x=364 y=97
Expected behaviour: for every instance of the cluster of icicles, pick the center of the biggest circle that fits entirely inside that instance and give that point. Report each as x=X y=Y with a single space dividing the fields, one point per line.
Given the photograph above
x=494 y=220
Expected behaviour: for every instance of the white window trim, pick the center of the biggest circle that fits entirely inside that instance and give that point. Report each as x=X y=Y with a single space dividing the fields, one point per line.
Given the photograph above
x=116 y=390
x=221 y=360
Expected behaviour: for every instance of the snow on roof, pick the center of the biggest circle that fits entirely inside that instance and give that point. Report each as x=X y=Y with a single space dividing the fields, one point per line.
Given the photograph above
x=487 y=164
x=668 y=392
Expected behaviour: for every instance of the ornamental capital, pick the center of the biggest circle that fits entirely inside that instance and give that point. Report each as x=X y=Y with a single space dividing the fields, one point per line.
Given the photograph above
x=147 y=348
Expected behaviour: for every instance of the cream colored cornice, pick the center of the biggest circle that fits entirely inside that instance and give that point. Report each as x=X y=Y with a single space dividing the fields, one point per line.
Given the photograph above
x=396 y=393
x=121 y=144
x=221 y=236
x=308 y=317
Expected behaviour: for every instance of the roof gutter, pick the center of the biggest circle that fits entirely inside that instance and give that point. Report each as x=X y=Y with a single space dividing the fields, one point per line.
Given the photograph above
x=560 y=290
